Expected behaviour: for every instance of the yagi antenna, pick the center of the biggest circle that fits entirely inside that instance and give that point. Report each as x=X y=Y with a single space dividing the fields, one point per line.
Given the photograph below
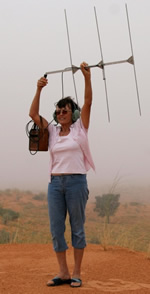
x=100 y=65
x=133 y=60
x=129 y=60
x=70 y=55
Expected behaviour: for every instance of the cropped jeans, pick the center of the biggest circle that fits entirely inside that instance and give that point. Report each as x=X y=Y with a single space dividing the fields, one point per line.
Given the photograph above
x=67 y=193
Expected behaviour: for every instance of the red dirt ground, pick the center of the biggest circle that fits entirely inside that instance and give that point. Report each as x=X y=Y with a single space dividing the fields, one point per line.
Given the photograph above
x=25 y=269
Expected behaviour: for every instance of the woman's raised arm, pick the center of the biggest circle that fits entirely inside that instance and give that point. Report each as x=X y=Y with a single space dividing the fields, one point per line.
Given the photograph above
x=34 y=109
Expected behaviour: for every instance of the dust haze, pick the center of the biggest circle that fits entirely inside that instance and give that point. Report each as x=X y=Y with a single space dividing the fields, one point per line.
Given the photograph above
x=33 y=41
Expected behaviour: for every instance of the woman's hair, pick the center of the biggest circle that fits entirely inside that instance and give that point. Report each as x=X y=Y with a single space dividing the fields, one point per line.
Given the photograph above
x=68 y=101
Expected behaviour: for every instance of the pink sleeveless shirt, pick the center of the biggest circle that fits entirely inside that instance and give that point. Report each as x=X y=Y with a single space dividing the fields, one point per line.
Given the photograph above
x=71 y=153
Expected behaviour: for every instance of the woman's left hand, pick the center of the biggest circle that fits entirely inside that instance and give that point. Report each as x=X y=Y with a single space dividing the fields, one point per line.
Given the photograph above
x=86 y=71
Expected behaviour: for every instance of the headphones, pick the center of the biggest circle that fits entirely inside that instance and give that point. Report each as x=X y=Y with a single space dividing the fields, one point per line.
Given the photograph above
x=75 y=108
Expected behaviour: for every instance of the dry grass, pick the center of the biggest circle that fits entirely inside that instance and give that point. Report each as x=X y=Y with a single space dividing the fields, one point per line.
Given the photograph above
x=129 y=227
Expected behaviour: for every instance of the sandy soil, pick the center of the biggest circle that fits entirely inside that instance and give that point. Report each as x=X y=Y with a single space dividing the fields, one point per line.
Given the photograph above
x=25 y=269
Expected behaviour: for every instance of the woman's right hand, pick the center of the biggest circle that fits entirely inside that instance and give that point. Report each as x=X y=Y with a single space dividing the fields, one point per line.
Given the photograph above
x=34 y=109
x=42 y=82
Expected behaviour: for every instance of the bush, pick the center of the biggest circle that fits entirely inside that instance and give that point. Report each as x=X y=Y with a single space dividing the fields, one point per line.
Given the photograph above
x=1 y=211
x=4 y=237
x=8 y=215
x=106 y=205
x=94 y=240
x=40 y=197
x=135 y=204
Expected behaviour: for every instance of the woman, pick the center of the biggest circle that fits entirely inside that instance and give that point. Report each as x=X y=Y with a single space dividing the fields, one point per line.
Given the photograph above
x=70 y=160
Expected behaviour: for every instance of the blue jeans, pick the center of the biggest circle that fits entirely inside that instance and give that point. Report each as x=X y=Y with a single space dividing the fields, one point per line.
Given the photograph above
x=67 y=193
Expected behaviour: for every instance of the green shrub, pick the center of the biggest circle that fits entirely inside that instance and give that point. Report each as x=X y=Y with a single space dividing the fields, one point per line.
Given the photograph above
x=28 y=205
x=40 y=197
x=94 y=240
x=135 y=203
x=1 y=211
x=4 y=237
x=8 y=215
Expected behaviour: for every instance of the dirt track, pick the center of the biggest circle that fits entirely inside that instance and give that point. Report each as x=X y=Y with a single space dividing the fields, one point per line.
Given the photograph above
x=25 y=269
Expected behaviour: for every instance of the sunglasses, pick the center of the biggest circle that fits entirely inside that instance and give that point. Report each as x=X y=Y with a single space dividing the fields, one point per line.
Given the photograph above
x=62 y=111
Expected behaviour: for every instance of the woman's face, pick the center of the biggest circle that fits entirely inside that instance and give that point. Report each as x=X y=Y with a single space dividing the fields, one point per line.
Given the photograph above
x=64 y=115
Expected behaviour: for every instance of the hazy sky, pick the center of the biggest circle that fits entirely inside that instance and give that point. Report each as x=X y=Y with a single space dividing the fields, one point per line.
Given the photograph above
x=33 y=41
